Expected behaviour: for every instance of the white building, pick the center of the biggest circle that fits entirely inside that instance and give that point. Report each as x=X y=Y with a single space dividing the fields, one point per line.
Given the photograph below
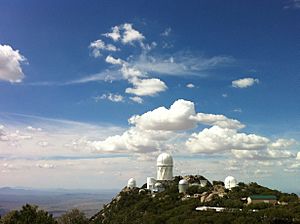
x=230 y=182
x=150 y=183
x=131 y=183
x=164 y=167
x=183 y=185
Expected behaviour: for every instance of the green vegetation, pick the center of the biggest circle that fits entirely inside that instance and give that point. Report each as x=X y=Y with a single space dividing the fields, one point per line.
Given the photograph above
x=73 y=217
x=170 y=207
x=29 y=214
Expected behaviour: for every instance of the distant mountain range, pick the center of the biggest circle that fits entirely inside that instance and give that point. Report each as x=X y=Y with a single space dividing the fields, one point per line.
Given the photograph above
x=55 y=201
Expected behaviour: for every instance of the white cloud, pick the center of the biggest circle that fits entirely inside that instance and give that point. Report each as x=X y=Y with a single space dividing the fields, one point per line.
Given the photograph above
x=130 y=34
x=298 y=156
x=180 y=116
x=133 y=140
x=131 y=72
x=244 y=83
x=126 y=33
x=267 y=154
x=282 y=143
x=190 y=85
x=10 y=64
x=115 y=61
x=217 y=139
x=110 y=96
x=45 y=166
x=99 y=45
x=137 y=99
x=238 y=110
x=224 y=95
x=166 y=32
x=146 y=87
x=218 y=120
x=182 y=63
x=30 y=128
x=173 y=119
x=115 y=34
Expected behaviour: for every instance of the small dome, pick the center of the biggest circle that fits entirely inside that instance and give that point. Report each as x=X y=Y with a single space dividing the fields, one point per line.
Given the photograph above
x=164 y=159
x=131 y=183
x=183 y=182
x=230 y=182
x=158 y=185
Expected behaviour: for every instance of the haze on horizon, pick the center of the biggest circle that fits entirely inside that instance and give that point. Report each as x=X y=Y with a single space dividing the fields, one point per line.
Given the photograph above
x=92 y=93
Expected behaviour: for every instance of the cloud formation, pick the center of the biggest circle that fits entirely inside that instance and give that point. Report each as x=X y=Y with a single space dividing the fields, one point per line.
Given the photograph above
x=99 y=45
x=110 y=96
x=146 y=87
x=10 y=64
x=125 y=33
x=244 y=83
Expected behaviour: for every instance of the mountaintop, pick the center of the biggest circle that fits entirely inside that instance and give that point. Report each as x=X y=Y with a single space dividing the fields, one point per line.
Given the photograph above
x=139 y=205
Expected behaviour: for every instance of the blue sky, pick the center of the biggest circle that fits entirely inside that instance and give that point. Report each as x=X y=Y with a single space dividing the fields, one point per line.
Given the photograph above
x=73 y=73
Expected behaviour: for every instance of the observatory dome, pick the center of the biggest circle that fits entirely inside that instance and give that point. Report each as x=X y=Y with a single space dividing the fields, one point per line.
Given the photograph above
x=230 y=182
x=183 y=182
x=183 y=185
x=164 y=159
x=131 y=183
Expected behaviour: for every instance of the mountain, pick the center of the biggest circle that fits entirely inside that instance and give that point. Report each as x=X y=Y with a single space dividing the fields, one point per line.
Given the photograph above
x=55 y=201
x=138 y=205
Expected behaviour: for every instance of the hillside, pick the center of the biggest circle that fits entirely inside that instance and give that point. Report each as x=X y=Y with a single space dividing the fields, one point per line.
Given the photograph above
x=132 y=206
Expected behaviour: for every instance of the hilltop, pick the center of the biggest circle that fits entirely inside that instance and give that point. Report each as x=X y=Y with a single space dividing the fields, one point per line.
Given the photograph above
x=138 y=205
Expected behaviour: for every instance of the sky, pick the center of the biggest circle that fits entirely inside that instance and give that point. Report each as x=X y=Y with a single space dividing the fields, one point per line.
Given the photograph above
x=92 y=92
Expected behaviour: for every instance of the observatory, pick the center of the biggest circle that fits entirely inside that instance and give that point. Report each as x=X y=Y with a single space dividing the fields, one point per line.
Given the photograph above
x=183 y=185
x=150 y=183
x=164 y=167
x=230 y=182
x=131 y=183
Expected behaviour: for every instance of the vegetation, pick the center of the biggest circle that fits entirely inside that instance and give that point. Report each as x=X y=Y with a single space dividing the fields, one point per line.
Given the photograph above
x=170 y=207
x=75 y=216
x=29 y=214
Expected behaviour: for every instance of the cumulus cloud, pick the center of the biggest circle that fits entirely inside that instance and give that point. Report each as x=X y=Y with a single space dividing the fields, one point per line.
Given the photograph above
x=133 y=140
x=218 y=120
x=10 y=64
x=136 y=99
x=180 y=116
x=99 y=45
x=190 y=85
x=217 y=139
x=130 y=34
x=298 y=156
x=244 y=83
x=282 y=143
x=268 y=154
x=146 y=87
x=110 y=96
x=12 y=136
x=115 y=33
x=115 y=61
x=126 y=33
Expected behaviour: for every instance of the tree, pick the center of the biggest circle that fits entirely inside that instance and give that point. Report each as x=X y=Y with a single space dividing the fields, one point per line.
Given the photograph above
x=75 y=216
x=29 y=214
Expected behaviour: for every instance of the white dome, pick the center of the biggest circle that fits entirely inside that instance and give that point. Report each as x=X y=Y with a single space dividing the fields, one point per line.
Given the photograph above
x=230 y=182
x=158 y=185
x=164 y=159
x=131 y=183
x=183 y=182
